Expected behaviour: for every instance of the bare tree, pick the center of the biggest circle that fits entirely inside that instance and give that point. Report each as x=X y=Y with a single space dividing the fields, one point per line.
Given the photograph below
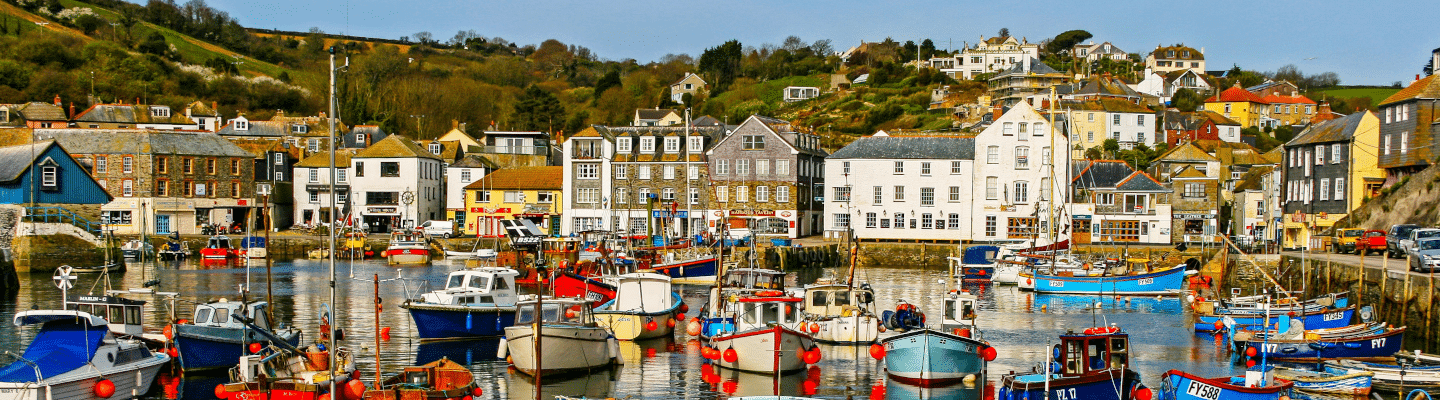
x=425 y=37
x=822 y=47
x=793 y=44
x=1004 y=32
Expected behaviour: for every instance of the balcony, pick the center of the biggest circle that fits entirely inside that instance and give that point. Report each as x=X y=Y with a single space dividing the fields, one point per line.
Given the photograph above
x=522 y=150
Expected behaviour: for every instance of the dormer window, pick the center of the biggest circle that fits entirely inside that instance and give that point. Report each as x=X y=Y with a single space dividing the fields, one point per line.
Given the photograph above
x=360 y=139
x=435 y=148
x=299 y=128
x=49 y=175
x=1187 y=53
x=242 y=125
x=1170 y=54
x=160 y=112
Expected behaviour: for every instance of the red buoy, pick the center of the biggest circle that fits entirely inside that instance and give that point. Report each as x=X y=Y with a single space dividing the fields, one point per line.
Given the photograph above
x=650 y=326
x=670 y=323
x=355 y=389
x=989 y=353
x=1143 y=393
x=1250 y=351
x=1219 y=325
x=105 y=388
x=693 y=329
x=731 y=356
x=477 y=392
x=220 y=392
x=877 y=350
x=255 y=347
x=812 y=356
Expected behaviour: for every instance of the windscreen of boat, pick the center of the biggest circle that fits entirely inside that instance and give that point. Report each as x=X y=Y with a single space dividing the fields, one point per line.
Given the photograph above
x=480 y=282
x=60 y=346
x=950 y=309
x=525 y=314
x=456 y=281
x=202 y=315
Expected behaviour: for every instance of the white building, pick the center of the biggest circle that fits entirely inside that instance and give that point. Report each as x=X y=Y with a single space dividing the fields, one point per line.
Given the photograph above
x=396 y=184
x=1018 y=186
x=311 y=194
x=900 y=188
x=798 y=93
x=585 y=162
x=458 y=175
x=1114 y=204
x=989 y=55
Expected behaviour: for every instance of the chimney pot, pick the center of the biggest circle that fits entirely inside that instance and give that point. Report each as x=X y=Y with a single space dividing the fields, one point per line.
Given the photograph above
x=57 y=100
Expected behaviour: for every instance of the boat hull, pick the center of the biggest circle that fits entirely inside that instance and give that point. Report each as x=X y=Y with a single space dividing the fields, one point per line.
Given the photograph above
x=133 y=381
x=1156 y=283
x=768 y=350
x=1183 y=386
x=454 y=322
x=1320 y=320
x=1095 y=385
x=1330 y=382
x=206 y=348
x=407 y=256
x=565 y=349
x=1373 y=347
x=926 y=357
x=855 y=329
x=691 y=271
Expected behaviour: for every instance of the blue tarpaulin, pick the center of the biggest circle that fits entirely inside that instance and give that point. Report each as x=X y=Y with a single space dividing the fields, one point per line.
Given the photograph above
x=59 y=347
x=252 y=242
x=980 y=255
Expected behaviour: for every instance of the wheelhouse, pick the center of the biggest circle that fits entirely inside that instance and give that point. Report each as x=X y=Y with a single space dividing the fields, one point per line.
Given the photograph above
x=758 y=312
x=754 y=278
x=125 y=316
x=1097 y=349
x=480 y=286
x=222 y=314
x=566 y=311
x=831 y=300
x=218 y=242
x=960 y=306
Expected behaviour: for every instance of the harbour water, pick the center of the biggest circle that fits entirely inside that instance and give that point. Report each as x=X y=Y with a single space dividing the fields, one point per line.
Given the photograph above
x=1019 y=324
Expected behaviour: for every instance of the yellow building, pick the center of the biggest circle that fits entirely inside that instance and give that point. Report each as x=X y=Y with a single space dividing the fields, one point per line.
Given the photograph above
x=1294 y=109
x=1240 y=105
x=522 y=193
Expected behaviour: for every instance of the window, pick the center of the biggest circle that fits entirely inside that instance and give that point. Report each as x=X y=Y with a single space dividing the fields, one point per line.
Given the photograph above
x=954 y=194
x=200 y=190
x=234 y=189
x=722 y=194
x=842 y=193
x=1045 y=156
x=1387 y=145
x=1140 y=120
x=1227 y=109
x=128 y=188
x=667 y=194
x=643 y=172
x=742 y=194
x=1115 y=120
x=162 y=188
x=879 y=195
x=1090 y=117
x=992 y=188
x=1022 y=192
x=845 y=167
x=1008 y=128
x=884 y=223
x=956 y=168
x=621 y=172
x=1038 y=129
x=1140 y=137
x=672 y=144
x=514 y=196
x=742 y=167
x=1320 y=155
x=782 y=168
x=1335 y=153
x=235 y=167
x=1045 y=189
x=992 y=155
x=1090 y=136
x=1194 y=190
x=314 y=175
x=549 y=197
x=1404 y=142
x=925 y=169
x=899 y=167
x=1022 y=157
x=1024 y=130
x=990 y=225
x=115 y=217
x=242 y=125
x=842 y=220
x=622 y=195
x=782 y=194
x=588 y=171
x=435 y=148
x=127 y=164
x=313 y=145
x=762 y=167
x=696 y=144
x=622 y=145
x=722 y=167
x=899 y=194
x=693 y=172
x=870 y=220
x=647 y=144
x=694 y=195
x=188 y=188
x=927 y=221
x=927 y=196
x=899 y=220
x=762 y=194
x=1324 y=189
x=1104 y=199
x=389 y=169
x=752 y=142
x=163 y=166
x=1020 y=228
x=359 y=169
x=1339 y=188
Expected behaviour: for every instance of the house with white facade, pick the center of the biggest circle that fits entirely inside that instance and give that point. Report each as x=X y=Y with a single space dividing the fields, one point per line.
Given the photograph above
x=458 y=175
x=1164 y=85
x=311 y=194
x=989 y=55
x=586 y=166
x=1115 y=204
x=901 y=188
x=1018 y=184
x=396 y=183
x=1092 y=52
x=797 y=93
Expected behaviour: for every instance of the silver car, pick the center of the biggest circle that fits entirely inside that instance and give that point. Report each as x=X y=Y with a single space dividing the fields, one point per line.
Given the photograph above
x=1407 y=245
x=1425 y=256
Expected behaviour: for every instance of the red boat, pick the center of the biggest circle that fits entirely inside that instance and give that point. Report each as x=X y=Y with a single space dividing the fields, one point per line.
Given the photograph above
x=219 y=247
x=569 y=284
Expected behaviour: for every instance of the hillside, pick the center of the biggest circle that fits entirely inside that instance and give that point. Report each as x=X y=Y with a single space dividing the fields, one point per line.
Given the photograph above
x=1413 y=200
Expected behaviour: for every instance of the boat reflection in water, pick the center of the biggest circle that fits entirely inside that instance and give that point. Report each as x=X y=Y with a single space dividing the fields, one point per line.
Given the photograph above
x=599 y=384
x=741 y=383
x=899 y=390
x=467 y=352
x=1066 y=303
x=195 y=386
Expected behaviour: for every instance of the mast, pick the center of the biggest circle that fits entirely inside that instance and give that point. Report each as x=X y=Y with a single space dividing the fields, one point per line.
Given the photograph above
x=1052 y=215
x=331 y=254
x=689 y=205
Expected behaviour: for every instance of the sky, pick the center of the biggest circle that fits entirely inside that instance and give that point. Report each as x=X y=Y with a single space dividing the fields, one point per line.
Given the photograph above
x=1374 y=42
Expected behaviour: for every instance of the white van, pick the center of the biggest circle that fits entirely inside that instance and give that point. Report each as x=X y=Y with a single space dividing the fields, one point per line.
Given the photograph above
x=444 y=229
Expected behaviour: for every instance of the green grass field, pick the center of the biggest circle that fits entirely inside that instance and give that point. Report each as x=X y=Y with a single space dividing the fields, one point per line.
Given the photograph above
x=1376 y=94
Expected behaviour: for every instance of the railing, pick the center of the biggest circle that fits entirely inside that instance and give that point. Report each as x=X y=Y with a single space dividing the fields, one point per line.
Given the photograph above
x=527 y=150
x=61 y=215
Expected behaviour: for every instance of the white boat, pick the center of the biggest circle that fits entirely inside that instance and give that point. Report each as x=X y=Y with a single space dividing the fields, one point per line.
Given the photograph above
x=570 y=340
x=253 y=247
x=136 y=248
x=408 y=247
x=759 y=338
x=75 y=357
x=836 y=313
x=644 y=307
x=483 y=254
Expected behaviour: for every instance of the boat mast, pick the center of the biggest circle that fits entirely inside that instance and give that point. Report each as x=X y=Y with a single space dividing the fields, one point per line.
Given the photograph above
x=1052 y=215
x=689 y=205
x=331 y=232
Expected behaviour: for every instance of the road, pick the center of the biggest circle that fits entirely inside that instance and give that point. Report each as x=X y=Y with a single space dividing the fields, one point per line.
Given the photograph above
x=1376 y=261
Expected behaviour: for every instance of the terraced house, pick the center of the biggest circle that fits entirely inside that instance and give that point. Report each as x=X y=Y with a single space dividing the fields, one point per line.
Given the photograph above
x=657 y=178
x=134 y=116
x=901 y=188
x=1408 y=122
x=1330 y=168
x=769 y=179
x=1095 y=120
x=1113 y=203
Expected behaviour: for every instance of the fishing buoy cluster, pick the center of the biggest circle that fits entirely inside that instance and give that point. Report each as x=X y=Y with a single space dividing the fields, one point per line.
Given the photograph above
x=811 y=356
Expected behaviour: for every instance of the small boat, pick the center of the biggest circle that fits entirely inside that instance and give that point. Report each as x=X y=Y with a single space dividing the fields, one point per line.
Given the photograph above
x=1392 y=376
x=1319 y=319
x=284 y=372
x=644 y=307
x=1092 y=364
x=689 y=265
x=476 y=302
x=761 y=339
x=570 y=284
x=570 y=340
x=408 y=247
x=75 y=356
x=219 y=247
x=173 y=250
x=440 y=379
x=217 y=337
x=1329 y=381
x=976 y=264
x=1298 y=332
x=253 y=247
x=136 y=248
x=109 y=266
x=1163 y=282
x=354 y=246
x=1256 y=384
x=928 y=357
x=718 y=314
x=839 y=314
x=1261 y=304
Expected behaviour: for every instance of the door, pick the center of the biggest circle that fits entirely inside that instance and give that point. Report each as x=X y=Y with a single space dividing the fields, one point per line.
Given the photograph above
x=162 y=224
x=1082 y=231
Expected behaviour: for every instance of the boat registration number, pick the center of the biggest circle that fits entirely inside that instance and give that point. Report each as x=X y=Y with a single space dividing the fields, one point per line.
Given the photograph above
x=1147 y=281
x=1057 y=283
x=1334 y=316
x=1203 y=391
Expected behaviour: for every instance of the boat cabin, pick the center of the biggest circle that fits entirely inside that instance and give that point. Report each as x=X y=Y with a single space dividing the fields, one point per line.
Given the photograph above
x=831 y=300
x=125 y=316
x=960 y=306
x=407 y=236
x=754 y=312
x=218 y=242
x=1096 y=349
x=221 y=314
x=645 y=292
x=252 y=242
x=477 y=286
x=565 y=249
x=754 y=278
x=564 y=311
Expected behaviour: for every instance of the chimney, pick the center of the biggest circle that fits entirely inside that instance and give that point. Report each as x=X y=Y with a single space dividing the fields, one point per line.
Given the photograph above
x=72 y=110
x=996 y=111
x=57 y=100
x=215 y=108
x=280 y=113
x=137 y=101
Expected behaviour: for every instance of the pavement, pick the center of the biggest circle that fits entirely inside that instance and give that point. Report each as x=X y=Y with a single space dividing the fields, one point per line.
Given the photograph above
x=1399 y=265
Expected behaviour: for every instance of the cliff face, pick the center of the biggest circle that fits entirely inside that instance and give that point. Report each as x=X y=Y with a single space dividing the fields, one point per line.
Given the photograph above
x=1413 y=200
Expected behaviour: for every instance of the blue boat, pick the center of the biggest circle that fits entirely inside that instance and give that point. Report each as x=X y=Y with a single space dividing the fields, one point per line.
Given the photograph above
x=977 y=264
x=475 y=303
x=72 y=354
x=700 y=269
x=216 y=338
x=1257 y=384
x=1163 y=282
x=925 y=357
x=1321 y=319
x=1331 y=380
x=1093 y=364
x=1382 y=346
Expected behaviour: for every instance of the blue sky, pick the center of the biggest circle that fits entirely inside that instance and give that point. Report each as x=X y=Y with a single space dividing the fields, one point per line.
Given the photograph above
x=1368 y=42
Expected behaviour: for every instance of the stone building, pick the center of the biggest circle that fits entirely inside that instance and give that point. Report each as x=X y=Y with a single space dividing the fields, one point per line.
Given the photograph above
x=657 y=179
x=769 y=179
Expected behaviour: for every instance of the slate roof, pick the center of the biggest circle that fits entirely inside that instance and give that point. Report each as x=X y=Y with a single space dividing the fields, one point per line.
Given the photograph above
x=1187 y=151
x=1089 y=174
x=706 y=120
x=1172 y=76
x=1236 y=94
x=1218 y=118
x=142 y=141
x=908 y=148
x=258 y=146
x=1162 y=53
x=1139 y=181
x=529 y=178
x=395 y=146
x=653 y=113
x=712 y=134
x=1425 y=88
x=1182 y=121
x=199 y=108
x=1107 y=105
x=322 y=159
x=1335 y=130
x=130 y=114
x=372 y=133
x=1253 y=179
x=475 y=161
x=1100 y=85
x=14 y=160
x=1036 y=67
x=256 y=128
x=40 y=111
x=1188 y=172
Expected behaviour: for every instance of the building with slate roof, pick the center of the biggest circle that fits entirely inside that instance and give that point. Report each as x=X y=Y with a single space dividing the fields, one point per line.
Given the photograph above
x=1017 y=180
x=1173 y=58
x=43 y=173
x=459 y=174
x=33 y=115
x=1092 y=52
x=1164 y=85
x=397 y=183
x=931 y=175
x=639 y=180
x=362 y=136
x=531 y=193
x=1194 y=206
x=988 y=55
x=1113 y=203
x=134 y=116
x=1180 y=126
x=1256 y=208
x=206 y=116
x=1329 y=169
x=311 y=198
x=769 y=179
x=1408 y=127
x=1025 y=78
x=165 y=181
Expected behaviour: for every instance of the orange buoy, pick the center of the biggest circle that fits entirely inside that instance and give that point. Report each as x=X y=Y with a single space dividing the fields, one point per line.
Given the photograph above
x=104 y=388
x=877 y=350
x=731 y=356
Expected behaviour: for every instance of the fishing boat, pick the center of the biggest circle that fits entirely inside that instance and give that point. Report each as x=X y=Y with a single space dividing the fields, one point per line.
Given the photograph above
x=216 y=338
x=1331 y=380
x=1261 y=304
x=253 y=247
x=1374 y=347
x=477 y=302
x=439 y=379
x=1163 y=282
x=354 y=245
x=1319 y=319
x=645 y=306
x=219 y=247
x=173 y=250
x=74 y=356
x=976 y=264
x=839 y=314
x=688 y=265
x=285 y=372
x=1091 y=364
x=108 y=266
x=408 y=247
x=718 y=314
x=761 y=338
x=931 y=357
x=1403 y=376
x=135 y=249
x=570 y=284
x=570 y=341
x=479 y=254
x=1297 y=332
x=1257 y=384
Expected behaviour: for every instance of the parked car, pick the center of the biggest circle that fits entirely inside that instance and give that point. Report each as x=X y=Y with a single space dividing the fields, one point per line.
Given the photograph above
x=1396 y=234
x=1344 y=241
x=1407 y=245
x=440 y=228
x=1425 y=257
x=1373 y=241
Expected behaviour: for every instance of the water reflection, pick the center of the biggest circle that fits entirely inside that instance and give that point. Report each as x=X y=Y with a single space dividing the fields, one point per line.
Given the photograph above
x=467 y=352
x=898 y=390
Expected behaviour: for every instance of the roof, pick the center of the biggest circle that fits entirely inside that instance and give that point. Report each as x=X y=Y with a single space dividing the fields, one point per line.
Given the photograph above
x=322 y=159
x=14 y=160
x=908 y=148
x=1335 y=130
x=1187 y=151
x=1181 y=53
x=474 y=161
x=1139 y=181
x=1236 y=94
x=39 y=111
x=395 y=146
x=1107 y=105
x=687 y=76
x=142 y=141
x=199 y=108
x=1101 y=85
x=131 y=114
x=654 y=113
x=257 y=146
x=522 y=179
x=1089 y=174
x=1188 y=172
x=1217 y=118
x=260 y=128
x=1253 y=179
x=1425 y=88
x=1036 y=67
x=1296 y=99
x=1176 y=74
x=706 y=120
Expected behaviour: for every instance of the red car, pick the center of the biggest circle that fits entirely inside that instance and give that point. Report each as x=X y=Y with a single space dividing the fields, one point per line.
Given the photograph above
x=1373 y=241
